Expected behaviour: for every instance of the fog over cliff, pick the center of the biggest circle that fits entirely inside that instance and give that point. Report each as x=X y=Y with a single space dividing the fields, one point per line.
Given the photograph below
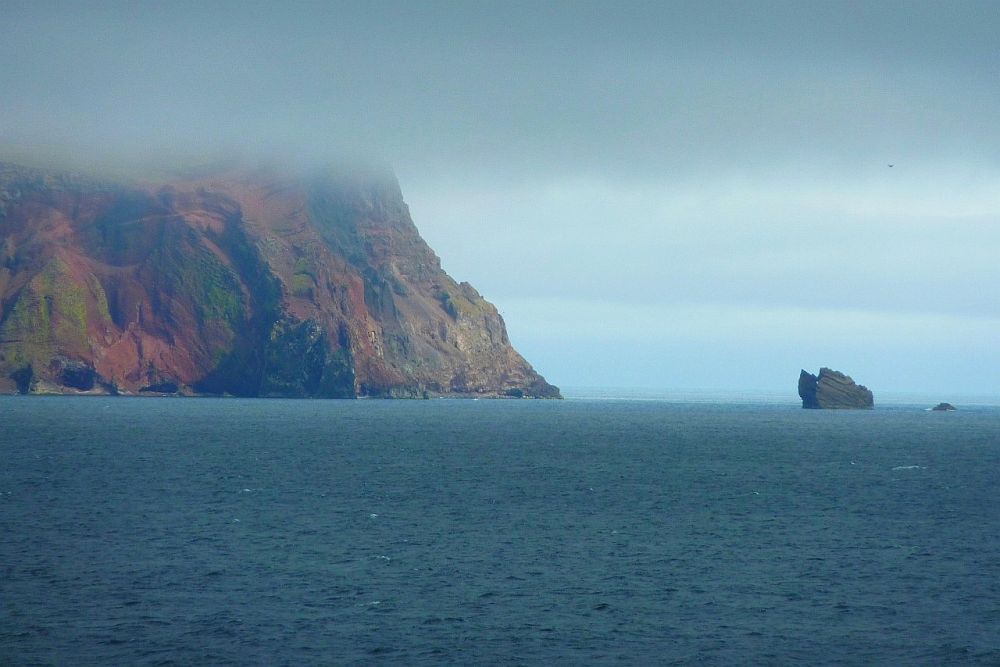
x=654 y=194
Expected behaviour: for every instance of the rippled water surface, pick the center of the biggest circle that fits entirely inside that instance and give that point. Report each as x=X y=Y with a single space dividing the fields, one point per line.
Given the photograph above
x=196 y=531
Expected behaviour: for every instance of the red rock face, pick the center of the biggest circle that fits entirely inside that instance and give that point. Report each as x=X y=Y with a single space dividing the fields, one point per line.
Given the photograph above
x=251 y=283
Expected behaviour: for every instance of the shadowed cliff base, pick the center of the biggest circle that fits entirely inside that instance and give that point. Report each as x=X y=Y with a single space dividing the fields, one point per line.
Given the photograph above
x=244 y=281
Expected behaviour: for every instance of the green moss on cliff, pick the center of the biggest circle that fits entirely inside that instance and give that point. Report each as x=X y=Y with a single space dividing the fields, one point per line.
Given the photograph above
x=193 y=278
x=49 y=315
x=304 y=279
x=302 y=265
x=100 y=298
x=457 y=305
x=303 y=285
x=239 y=367
x=27 y=330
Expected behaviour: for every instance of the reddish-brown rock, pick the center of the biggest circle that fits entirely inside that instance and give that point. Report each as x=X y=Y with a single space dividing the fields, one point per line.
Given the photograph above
x=248 y=282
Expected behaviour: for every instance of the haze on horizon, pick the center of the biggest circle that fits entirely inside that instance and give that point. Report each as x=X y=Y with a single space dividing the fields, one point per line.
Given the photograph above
x=676 y=195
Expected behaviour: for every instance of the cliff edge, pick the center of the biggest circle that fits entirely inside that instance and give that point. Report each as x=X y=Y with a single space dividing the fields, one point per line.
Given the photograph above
x=247 y=282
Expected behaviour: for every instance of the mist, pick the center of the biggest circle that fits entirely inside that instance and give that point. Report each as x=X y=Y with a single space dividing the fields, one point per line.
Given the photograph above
x=697 y=195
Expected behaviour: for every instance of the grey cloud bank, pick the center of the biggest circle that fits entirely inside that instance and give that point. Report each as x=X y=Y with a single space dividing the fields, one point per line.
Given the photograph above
x=655 y=194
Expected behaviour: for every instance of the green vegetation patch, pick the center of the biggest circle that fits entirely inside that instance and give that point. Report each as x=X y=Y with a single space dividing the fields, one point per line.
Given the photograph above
x=304 y=278
x=196 y=276
x=458 y=306
x=100 y=297
x=303 y=285
x=50 y=313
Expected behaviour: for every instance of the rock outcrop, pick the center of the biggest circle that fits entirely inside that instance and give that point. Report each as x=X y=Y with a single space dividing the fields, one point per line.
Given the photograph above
x=249 y=282
x=833 y=390
x=943 y=407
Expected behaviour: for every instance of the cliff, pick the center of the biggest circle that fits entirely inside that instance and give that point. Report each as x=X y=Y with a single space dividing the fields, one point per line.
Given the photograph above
x=249 y=282
x=833 y=390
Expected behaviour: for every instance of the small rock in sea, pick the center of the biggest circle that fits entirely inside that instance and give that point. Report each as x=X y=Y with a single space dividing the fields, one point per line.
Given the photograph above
x=944 y=407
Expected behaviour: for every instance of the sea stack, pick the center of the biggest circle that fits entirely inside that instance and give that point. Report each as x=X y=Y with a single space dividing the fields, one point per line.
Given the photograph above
x=832 y=390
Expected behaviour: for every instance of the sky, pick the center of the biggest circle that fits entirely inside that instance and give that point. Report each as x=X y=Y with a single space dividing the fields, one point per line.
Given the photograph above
x=680 y=195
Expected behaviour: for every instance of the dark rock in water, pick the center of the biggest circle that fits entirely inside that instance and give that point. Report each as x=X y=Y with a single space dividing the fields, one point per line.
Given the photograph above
x=944 y=407
x=832 y=390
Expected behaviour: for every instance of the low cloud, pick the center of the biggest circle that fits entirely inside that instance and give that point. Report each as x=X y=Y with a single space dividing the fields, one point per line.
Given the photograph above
x=686 y=160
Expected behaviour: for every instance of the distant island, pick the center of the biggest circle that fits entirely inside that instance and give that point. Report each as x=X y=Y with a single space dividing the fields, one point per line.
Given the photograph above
x=943 y=407
x=244 y=281
x=832 y=390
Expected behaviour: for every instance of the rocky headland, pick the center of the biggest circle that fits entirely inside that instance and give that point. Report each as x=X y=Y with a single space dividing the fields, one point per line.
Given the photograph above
x=243 y=281
x=833 y=390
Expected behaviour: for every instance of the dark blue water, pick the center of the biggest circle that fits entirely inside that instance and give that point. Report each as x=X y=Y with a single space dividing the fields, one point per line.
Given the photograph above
x=188 y=531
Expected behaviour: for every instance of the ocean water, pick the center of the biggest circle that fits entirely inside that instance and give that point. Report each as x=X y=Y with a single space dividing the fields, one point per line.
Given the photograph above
x=213 y=532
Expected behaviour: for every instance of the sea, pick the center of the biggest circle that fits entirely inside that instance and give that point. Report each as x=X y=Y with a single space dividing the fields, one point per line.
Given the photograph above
x=607 y=528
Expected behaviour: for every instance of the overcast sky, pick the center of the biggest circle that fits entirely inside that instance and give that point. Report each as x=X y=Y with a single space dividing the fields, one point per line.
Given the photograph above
x=676 y=195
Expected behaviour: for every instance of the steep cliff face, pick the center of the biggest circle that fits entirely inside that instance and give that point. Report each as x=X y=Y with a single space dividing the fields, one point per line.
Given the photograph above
x=249 y=282
x=833 y=390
